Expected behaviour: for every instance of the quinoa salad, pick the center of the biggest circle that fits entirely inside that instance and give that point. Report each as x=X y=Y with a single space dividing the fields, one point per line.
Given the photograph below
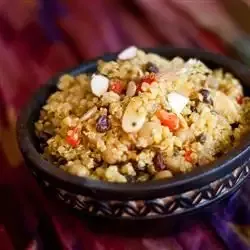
x=142 y=117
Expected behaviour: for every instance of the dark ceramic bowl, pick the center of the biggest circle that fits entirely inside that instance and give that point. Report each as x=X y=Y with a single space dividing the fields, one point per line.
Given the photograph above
x=150 y=200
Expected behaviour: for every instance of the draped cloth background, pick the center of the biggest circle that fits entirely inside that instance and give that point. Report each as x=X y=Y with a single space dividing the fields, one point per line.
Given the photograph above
x=40 y=38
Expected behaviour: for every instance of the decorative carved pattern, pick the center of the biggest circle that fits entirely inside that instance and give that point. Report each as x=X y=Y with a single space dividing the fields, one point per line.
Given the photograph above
x=170 y=205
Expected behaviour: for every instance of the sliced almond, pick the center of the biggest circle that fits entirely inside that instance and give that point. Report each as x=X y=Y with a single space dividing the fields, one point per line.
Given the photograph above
x=177 y=63
x=183 y=122
x=128 y=53
x=131 y=89
x=132 y=122
x=225 y=107
x=177 y=102
x=99 y=85
x=88 y=114
x=134 y=116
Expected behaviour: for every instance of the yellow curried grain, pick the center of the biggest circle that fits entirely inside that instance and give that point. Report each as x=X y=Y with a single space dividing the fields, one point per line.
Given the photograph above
x=84 y=134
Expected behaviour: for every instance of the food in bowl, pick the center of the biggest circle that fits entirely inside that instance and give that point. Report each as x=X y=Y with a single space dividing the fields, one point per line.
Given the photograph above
x=142 y=117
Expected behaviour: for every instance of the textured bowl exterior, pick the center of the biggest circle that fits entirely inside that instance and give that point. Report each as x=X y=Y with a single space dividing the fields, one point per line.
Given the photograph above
x=190 y=201
x=150 y=200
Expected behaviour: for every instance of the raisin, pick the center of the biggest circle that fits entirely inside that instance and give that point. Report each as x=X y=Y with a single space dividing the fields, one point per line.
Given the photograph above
x=235 y=125
x=201 y=138
x=103 y=124
x=44 y=137
x=206 y=96
x=152 y=68
x=193 y=109
x=194 y=105
x=53 y=159
x=62 y=161
x=159 y=161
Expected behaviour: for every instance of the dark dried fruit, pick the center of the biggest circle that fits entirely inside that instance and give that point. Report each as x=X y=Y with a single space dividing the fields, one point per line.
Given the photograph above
x=62 y=161
x=235 y=125
x=44 y=137
x=193 y=108
x=152 y=68
x=159 y=161
x=201 y=138
x=103 y=124
x=206 y=96
x=53 y=159
x=194 y=105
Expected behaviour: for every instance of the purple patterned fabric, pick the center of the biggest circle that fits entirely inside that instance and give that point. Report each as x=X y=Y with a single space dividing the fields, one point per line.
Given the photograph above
x=49 y=12
x=40 y=38
x=232 y=223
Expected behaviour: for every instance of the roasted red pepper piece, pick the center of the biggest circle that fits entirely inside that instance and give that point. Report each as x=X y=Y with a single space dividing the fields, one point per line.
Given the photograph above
x=169 y=120
x=188 y=156
x=117 y=86
x=72 y=137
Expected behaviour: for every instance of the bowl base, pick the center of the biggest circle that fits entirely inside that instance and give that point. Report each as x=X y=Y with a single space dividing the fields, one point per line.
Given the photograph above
x=152 y=227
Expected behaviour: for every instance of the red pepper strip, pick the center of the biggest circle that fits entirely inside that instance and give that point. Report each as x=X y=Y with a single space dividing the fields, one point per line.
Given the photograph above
x=73 y=137
x=169 y=120
x=148 y=79
x=188 y=156
x=117 y=86
x=239 y=99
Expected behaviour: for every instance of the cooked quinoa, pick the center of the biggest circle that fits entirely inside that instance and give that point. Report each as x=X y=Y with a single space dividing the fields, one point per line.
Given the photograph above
x=142 y=117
